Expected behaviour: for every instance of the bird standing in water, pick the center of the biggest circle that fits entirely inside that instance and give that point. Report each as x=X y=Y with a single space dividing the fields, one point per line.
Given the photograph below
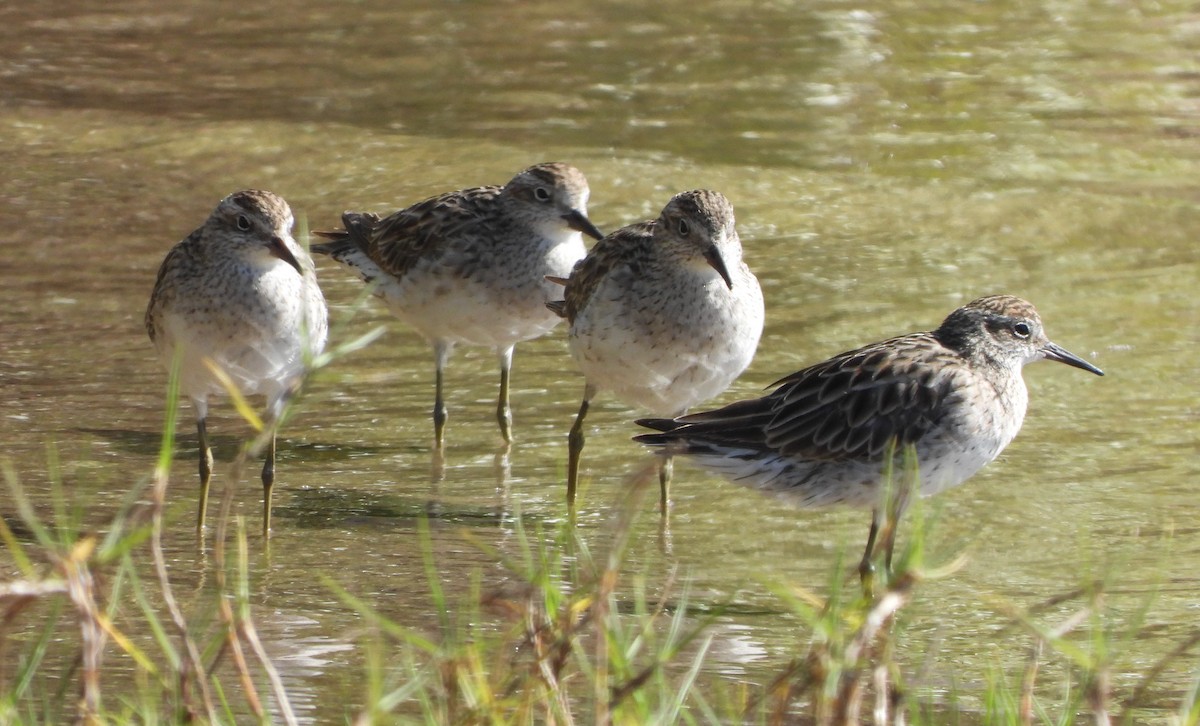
x=954 y=396
x=663 y=313
x=239 y=294
x=470 y=266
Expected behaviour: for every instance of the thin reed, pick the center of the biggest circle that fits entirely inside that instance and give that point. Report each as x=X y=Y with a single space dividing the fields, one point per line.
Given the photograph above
x=571 y=636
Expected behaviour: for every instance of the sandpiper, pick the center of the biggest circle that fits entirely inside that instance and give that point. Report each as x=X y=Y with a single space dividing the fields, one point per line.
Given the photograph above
x=470 y=266
x=953 y=396
x=663 y=313
x=239 y=294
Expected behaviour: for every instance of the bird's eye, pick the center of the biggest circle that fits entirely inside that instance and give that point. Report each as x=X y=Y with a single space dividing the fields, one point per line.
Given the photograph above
x=683 y=228
x=243 y=223
x=541 y=194
x=1022 y=330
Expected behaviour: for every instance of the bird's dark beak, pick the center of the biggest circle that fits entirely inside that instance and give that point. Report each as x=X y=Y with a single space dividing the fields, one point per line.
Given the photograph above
x=713 y=257
x=1053 y=351
x=579 y=222
x=278 y=248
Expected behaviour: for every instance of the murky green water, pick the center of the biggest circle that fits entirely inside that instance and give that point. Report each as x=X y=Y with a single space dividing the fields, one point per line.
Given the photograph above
x=888 y=161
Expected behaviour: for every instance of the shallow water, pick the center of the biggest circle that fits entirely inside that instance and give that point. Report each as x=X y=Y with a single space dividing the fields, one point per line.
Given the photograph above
x=888 y=161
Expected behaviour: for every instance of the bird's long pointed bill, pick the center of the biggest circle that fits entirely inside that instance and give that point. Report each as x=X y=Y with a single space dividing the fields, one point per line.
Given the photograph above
x=579 y=222
x=713 y=257
x=278 y=248
x=1054 y=351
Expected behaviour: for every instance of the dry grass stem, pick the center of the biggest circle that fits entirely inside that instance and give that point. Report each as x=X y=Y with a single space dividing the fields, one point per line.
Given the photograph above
x=193 y=669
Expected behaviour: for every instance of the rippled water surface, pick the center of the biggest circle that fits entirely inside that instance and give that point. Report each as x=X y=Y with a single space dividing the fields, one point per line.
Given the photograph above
x=888 y=161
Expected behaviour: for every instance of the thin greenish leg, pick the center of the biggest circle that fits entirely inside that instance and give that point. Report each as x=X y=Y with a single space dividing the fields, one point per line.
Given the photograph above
x=441 y=353
x=866 y=570
x=665 y=471
x=268 y=481
x=575 y=445
x=503 y=412
x=206 y=463
x=895 y=510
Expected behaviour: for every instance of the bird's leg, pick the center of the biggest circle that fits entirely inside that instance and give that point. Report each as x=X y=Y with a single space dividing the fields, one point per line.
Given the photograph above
x=439 y=413
x=897 y=503
x=575 y=445
x=503 y=467
x=866 y=569
x=268 y=481
x=441 y=353
x=206 y=463
x=665 y=542
x=665 y=470
x=891 y=526
x=437 y=465
x=503 y=412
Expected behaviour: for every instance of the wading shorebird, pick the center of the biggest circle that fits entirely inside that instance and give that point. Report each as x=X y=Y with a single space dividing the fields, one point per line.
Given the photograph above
x=470 y=266
x=663 y=313
x=241 y=295
x=953 y=396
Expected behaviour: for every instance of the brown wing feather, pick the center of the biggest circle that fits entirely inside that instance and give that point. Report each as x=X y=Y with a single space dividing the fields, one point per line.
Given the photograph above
x=355 y=232
x=189 y=247
x=400 y=240
x=851 y=406
x=855 y=404
x=627 y=246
